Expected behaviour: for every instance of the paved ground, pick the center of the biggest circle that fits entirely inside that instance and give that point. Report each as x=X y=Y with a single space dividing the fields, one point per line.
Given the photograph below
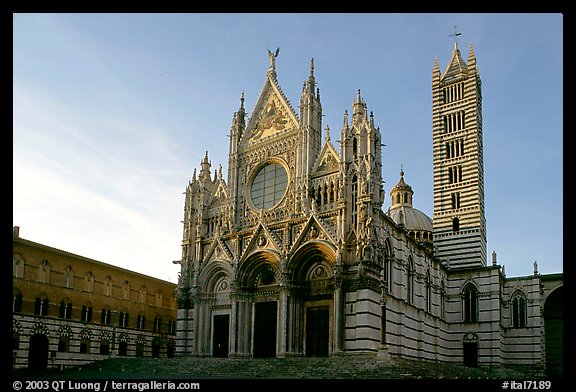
x=279 y=368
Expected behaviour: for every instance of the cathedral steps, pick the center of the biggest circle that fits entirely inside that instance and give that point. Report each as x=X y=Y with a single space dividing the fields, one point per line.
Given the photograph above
x=342 y=367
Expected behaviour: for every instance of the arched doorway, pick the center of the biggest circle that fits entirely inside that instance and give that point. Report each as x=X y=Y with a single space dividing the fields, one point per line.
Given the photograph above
x=38 y=352
x=311 y=268
x=554 y=333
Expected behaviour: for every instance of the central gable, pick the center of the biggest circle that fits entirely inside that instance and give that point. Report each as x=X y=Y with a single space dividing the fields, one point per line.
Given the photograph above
x=273 y=115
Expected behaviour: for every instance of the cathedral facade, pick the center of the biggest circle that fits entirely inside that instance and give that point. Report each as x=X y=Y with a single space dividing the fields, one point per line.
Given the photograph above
x=292 y=254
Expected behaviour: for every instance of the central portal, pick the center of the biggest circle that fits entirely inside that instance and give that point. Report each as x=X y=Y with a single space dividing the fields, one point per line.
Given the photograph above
x=317 y=331
x=265 y=329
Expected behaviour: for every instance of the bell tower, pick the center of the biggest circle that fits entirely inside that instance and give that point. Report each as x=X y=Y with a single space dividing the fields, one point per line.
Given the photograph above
x=459 y=222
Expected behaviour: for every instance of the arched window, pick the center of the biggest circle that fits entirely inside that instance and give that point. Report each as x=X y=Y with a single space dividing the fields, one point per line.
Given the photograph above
x=141 y=321
x=106 y=316
x=410 y=282
x=157 y=324
x=470 y=303
x=65 y=309
x=63 y=344
x=354 y=198
x=519 y=310
x=44 y=272
x=108 y=286
x=16 y=301
x=86 y=313
x=90 y=282
x=123 y=319
x=18 y=266
x=69 y=277
x=428 y=292
x=41 y=306
x=126 y=290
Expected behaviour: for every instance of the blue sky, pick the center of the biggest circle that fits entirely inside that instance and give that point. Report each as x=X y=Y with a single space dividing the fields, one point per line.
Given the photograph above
x=113 y=112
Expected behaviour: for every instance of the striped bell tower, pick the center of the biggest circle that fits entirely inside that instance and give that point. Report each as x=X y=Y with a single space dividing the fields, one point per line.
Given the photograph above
x=459 y=222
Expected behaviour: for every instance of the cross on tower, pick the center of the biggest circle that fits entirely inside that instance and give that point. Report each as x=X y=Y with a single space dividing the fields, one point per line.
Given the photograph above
x=455 y=35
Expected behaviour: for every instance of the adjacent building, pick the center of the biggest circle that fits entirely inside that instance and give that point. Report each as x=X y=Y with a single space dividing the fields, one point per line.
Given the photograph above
x=69 y=310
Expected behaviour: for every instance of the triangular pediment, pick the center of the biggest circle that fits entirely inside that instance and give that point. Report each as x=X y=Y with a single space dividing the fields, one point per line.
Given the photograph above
x=219 y=196
x=314 y=230
x=272 y=116
x=261 y=240
x=219 y=250
x=328 y=161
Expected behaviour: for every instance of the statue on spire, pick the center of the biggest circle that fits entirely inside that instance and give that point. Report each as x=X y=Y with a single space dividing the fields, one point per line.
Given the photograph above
x=272 y=57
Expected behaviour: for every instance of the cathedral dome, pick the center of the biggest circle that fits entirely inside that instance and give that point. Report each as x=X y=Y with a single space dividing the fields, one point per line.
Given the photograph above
x=410 y=218
x=417 y=224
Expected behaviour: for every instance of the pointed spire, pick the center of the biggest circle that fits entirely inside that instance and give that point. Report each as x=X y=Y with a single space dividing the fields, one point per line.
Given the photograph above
x=205 y=168
x=436 y=69
x=472 y=60
x=327 y=134
x=345 y=119
x=242 y=111
x=456 y=67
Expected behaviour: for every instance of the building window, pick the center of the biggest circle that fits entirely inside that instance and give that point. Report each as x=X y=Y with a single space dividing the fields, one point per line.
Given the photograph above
x=157 y=324
x=69 y=277
x=455 y=200
x=470 y=303
x=41 y=306
x=455 y=224
x=428 y=292
x=123 y=348
x=105 y=347
x=269 y=186
x=519 y=310
x=90 y=282
x=86 y=313
x=106 y=317
x=63 y=344
x=123 y=319
x=141 y=322
x=171 y=327
x=354 y=198
x=85 y=346
x=410 y=282
x=17 y=302
x=65 y=309
x=139 y=349
x=126 y=290
x=44 y=272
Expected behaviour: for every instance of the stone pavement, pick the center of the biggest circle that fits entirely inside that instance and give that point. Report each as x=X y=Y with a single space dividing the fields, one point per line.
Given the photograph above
x=337 y=367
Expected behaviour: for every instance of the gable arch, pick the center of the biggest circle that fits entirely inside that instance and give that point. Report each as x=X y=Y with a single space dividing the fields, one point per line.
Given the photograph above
x=255 y=264
x=213 y=273
x=312 y=253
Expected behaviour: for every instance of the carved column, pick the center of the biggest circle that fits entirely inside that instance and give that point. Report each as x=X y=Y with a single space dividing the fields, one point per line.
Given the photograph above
x=233 y=328
x=339 y=316
x=283 y=319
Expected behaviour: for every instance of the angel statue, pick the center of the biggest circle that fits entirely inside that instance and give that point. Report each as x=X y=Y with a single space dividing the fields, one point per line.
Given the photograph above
x=272 y=57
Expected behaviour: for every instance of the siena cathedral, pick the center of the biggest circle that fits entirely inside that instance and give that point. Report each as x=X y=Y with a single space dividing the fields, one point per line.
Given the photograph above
x=293 y=254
